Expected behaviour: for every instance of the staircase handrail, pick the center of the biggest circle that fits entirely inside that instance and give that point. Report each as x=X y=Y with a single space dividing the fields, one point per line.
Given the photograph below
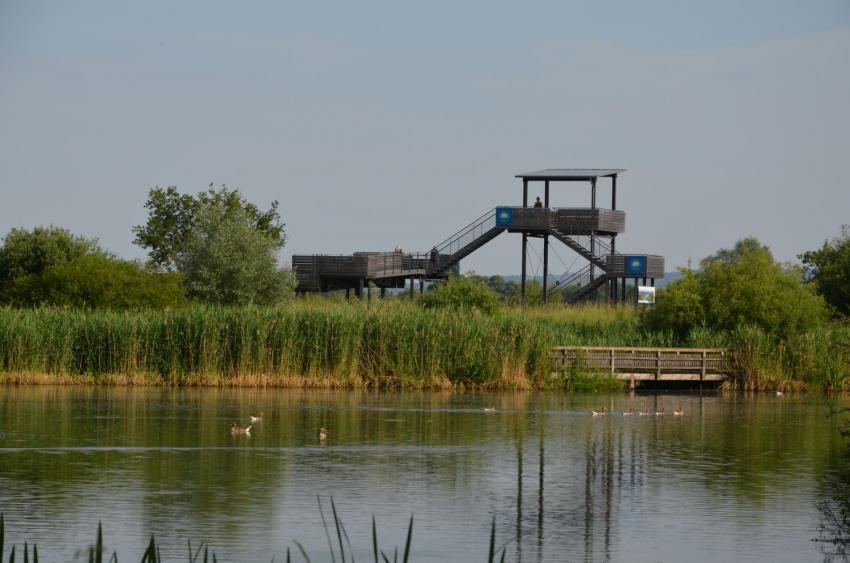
x=571 y=278
x=447 y=243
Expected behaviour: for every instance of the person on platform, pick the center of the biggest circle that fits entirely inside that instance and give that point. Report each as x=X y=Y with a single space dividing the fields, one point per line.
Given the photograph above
x=537 y=203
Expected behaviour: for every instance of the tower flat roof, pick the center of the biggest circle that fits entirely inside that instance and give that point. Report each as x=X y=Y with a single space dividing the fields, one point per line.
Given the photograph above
x=570 y=173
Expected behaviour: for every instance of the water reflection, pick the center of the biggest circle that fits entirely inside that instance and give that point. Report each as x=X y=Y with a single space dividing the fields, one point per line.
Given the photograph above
x=736 y=478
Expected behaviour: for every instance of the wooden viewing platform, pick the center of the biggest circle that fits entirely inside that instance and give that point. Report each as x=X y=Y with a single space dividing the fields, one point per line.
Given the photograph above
x=647 y=364
x=591 y=232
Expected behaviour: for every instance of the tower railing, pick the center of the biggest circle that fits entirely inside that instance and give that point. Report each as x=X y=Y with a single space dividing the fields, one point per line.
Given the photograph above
x=471 y=237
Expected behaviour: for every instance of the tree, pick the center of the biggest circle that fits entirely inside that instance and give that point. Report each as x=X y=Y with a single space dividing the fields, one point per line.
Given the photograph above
x=225 y=247
x=50 y=266
x=829 y=270
x=742 y=285
x=172 y=219
x=226 y=259
x=681 y=306
x=27 y=253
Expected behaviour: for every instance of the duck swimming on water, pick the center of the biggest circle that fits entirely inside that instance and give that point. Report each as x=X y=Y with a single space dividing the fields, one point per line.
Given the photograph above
x=257 y=419
x=323 y=434
x=246 y=430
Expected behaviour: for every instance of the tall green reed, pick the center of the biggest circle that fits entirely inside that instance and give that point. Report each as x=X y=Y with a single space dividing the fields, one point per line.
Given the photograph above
x=386 y=344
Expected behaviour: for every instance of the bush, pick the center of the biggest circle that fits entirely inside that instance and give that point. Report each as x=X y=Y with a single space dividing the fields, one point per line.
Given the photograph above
x=743 y=285
x=49 y=265
x=98 y=280
x=461 y=293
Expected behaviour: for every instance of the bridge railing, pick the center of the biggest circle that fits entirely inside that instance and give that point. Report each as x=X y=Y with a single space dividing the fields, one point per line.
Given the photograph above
x=657 y=361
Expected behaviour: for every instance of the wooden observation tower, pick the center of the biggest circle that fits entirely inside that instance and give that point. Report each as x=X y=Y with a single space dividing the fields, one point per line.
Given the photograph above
x=590 y=232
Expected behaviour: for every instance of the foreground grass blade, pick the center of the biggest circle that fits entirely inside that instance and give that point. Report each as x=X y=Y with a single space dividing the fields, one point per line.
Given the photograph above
x=99 y=544
x=150 y=553
x=327 y=533
x=338 y=532
x=374 y=539
x=491 y=554
x=303 y=551
x=409 y=537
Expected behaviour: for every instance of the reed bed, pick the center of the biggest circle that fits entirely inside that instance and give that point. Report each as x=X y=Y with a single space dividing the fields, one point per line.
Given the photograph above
x=393 y=344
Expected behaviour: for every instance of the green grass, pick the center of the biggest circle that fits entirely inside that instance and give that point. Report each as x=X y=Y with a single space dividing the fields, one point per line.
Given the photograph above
x=388 y=344
x=339 y=551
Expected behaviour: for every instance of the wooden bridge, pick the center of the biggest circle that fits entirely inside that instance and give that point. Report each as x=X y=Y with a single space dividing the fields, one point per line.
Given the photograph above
x=647 y=364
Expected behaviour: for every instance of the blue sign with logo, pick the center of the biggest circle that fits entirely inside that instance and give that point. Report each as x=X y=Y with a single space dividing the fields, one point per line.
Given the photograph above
x=635 y=265
x=504 y=216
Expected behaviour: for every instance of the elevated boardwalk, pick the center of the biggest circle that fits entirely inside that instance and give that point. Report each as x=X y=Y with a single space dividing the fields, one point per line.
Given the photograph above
x=647 y=364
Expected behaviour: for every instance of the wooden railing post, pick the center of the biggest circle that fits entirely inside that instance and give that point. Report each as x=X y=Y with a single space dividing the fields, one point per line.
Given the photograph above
x=657 y=363
x=702 y=375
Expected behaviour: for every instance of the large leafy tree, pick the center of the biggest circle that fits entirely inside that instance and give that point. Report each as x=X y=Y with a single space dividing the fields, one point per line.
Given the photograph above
x=829 y=270
x=172 y=220
x=224 y=246
x=741 y=285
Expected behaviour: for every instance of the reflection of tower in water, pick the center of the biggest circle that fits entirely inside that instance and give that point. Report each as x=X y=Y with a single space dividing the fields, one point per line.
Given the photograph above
x=578 y=498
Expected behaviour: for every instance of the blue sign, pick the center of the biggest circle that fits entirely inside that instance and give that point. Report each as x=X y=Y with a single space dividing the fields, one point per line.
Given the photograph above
x=635 y=265
x=504 y=216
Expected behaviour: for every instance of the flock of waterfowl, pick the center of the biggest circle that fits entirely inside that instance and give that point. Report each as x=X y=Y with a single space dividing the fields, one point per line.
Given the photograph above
x=630 y=412
x=603 y=412
x=236 y=430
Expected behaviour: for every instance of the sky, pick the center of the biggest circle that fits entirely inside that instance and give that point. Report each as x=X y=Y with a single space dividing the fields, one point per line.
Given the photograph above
x=377 y=124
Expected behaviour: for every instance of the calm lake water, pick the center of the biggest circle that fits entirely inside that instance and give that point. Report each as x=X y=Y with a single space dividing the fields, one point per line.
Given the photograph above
x=737 y=478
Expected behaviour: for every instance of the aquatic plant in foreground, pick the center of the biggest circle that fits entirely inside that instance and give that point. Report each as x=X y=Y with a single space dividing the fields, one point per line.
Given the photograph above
x=152 y=553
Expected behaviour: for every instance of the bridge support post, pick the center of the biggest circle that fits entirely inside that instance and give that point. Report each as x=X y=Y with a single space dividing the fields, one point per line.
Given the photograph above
x=421 y=286
x=359 y=291
x=383 y=292
x=412 y=282
x=524 y=250
x=524 y=239
x=545 y=268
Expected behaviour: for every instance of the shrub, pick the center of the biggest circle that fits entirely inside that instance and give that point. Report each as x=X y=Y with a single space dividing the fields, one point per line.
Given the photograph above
x=461 y=293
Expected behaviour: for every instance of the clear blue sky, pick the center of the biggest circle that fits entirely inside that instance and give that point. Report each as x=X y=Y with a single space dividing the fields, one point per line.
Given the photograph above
x=384 y=123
